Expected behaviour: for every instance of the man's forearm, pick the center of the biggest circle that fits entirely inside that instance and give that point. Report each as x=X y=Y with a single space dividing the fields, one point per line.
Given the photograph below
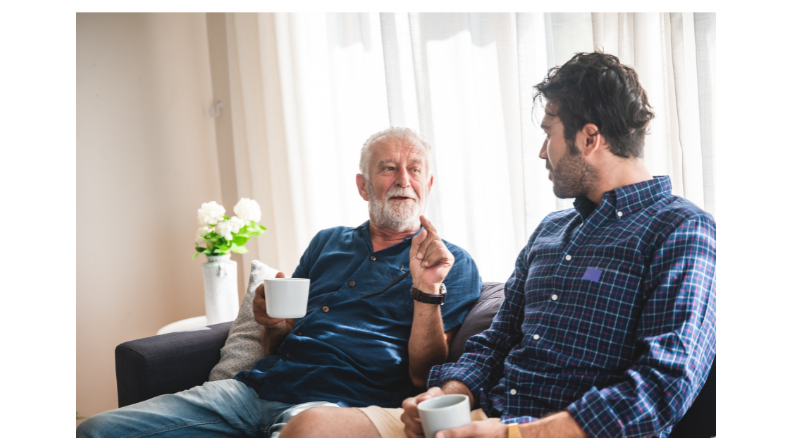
x=272 y=337
x=427 y=344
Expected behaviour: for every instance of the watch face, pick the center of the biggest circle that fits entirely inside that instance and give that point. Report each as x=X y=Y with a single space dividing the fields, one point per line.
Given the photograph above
x=443 y=289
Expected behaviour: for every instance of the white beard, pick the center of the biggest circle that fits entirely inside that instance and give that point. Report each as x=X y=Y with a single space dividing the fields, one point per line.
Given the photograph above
x=398 y=216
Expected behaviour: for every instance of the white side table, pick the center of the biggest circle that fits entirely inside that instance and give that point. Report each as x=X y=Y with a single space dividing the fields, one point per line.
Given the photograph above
x=192 y=323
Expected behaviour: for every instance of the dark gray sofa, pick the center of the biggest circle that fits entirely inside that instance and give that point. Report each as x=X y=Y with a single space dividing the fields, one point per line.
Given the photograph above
x=169 y=363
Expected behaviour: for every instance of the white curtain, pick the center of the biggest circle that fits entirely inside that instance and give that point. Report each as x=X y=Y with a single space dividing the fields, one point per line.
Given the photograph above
x=308 y=89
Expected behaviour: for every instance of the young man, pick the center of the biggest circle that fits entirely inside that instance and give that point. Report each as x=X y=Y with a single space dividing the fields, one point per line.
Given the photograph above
x=608 y=328
x=364 y=340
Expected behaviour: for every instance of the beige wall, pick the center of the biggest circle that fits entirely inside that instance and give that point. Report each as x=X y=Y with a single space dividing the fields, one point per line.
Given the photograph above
x=146 y=160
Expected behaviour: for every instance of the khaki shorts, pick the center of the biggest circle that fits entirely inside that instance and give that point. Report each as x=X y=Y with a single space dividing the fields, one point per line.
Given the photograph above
x=388 y=421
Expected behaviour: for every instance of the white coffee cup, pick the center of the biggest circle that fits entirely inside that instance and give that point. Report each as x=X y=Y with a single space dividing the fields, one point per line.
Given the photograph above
x=286 y=298
x=445 y=412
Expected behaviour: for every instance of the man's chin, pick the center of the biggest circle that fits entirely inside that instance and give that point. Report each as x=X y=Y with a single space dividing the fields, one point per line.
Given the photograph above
x=562 y=194
x=402 y=226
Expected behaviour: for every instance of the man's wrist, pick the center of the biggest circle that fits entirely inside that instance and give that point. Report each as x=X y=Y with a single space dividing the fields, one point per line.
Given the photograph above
x=457 y=387
x=429 y=289
x=557 y=425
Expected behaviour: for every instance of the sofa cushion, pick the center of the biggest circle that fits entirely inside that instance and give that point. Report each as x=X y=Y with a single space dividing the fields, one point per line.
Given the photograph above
x=243 y=347
x=479 y=318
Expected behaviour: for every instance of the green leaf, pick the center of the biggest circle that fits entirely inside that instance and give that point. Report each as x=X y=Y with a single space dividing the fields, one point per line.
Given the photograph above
x=240 y=250
x=195 y=255
x=199 y=249
x=261 y=227
x=240 y=240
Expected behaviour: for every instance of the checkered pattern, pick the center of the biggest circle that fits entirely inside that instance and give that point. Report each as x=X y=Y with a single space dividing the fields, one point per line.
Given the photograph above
x=626 y=355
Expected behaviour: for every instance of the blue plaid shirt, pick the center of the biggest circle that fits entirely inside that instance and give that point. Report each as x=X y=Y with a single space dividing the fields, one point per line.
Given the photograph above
x=610 y=313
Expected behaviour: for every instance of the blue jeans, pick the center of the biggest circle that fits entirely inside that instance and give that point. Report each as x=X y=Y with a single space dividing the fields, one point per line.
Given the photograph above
x=226 y=408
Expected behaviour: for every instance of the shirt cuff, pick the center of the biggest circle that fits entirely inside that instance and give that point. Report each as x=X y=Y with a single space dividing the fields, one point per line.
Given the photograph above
x=594 y=415
x=518 y=420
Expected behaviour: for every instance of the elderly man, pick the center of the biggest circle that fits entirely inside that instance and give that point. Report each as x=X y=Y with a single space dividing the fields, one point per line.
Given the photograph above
x=608 y=328
x=364 y=340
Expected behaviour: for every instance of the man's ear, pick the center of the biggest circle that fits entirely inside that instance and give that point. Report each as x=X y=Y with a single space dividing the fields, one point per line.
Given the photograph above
x=430 y=183
x=590 y=139
x=362 y=186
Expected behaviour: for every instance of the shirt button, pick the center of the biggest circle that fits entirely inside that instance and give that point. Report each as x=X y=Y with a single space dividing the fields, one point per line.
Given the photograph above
x=352 y=284
x=513 y=391
x=555 y=297
x=288 y=356
x=569 y=257
x=372 y=258
x=325 y=309
x=619 y=214
x=298 y=333
x=536 y=337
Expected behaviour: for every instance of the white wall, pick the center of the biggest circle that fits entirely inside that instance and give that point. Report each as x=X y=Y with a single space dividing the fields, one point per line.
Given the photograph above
x=146 y=160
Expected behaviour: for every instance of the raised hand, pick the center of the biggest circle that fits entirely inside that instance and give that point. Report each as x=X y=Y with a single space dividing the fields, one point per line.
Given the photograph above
x=429 y=259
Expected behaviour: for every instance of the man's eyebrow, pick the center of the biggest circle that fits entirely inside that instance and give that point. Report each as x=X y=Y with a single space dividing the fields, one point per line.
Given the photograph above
x=384 y=162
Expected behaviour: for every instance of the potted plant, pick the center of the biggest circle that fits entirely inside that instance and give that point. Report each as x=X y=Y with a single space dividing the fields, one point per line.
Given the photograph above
x=218 y=235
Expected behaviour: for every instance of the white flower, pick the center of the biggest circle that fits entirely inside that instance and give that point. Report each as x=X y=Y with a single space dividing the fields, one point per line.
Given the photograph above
x=210 y=214
x=226 y=228
x=200 y=241
x=248 y=210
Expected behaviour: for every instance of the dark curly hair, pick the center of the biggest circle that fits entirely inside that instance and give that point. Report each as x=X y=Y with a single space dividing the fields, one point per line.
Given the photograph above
x=596 y=88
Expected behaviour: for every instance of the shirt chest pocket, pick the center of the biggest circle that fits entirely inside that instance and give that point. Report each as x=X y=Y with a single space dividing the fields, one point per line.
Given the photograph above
x=387 y=294
x=604 y=300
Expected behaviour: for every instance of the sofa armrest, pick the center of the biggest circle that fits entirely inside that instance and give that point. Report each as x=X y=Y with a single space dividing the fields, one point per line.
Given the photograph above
x=168 y=363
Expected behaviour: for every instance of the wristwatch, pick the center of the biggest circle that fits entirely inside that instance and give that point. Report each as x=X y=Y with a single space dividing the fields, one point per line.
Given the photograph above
x=434 y=299
x=514 y=431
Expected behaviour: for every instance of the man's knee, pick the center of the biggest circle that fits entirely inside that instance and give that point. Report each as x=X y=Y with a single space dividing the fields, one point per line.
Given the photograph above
x=96 y=426
x=330 y=422
x=306 y=424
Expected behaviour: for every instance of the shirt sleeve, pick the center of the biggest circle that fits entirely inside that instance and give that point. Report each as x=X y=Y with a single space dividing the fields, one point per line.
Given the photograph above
x=676 y=339
x=463 y=285
x=308 y=257
x=481 y=365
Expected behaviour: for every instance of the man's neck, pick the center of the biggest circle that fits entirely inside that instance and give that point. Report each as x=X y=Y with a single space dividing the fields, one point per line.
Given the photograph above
x=383 y=237
x=620 y=173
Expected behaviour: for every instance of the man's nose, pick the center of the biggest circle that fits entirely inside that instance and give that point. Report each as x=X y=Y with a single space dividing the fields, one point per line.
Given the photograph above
x=543 y=152
x=402 y=178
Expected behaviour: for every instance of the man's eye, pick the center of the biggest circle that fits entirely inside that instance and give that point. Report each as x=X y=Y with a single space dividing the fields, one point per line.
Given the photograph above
x=386 y=168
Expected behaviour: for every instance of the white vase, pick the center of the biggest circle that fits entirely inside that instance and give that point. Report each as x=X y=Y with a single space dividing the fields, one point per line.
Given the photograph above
x=221 y=289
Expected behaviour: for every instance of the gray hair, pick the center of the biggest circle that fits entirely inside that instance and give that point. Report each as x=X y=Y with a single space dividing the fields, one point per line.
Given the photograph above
x=390 y=134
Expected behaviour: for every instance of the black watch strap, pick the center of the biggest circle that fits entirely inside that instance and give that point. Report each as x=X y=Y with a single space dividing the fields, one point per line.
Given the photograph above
x=434 y=299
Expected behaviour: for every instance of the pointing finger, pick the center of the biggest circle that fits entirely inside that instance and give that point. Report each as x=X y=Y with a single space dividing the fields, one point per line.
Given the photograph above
x=416 y=242
x=427 y=224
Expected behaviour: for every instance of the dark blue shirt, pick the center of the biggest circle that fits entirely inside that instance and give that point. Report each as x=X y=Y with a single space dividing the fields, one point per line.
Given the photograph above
x=610 y=313
x=349 y=349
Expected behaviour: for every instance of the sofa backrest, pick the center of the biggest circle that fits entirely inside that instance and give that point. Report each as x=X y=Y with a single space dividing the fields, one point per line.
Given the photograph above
x=479 y=318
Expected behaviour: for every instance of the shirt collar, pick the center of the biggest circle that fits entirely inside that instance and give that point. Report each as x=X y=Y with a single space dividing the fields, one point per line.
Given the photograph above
x=364 y=229
x=629 y=198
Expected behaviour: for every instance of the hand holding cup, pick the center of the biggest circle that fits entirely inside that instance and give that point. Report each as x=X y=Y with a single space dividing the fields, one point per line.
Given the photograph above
x=259 y=307
x=411 y=417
